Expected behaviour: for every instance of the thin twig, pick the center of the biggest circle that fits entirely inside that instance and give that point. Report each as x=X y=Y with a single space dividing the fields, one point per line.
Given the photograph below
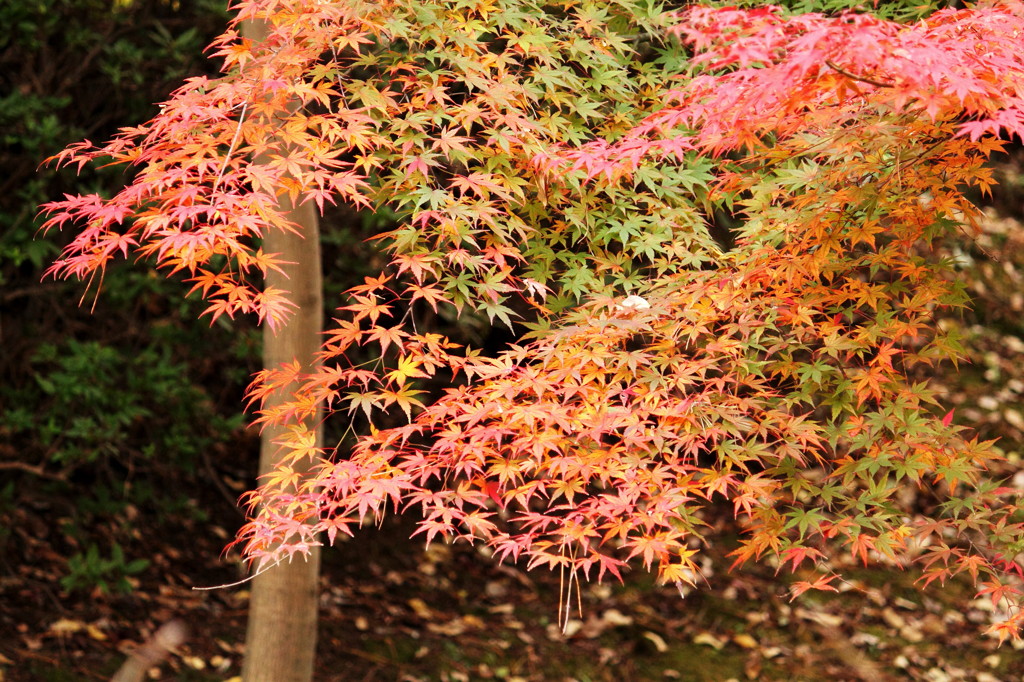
x=863 y=79
x=34 y=290
x=242 y=581
x=234 y=143
x=219 y=484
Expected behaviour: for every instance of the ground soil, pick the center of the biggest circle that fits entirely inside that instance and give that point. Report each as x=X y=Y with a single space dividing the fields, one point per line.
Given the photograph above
x=393 y=610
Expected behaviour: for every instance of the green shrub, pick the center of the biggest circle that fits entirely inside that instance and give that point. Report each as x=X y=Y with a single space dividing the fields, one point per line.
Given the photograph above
x=88 y=570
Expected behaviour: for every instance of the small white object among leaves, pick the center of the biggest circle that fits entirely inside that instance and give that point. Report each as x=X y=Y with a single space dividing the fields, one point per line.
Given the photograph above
x=633 y=303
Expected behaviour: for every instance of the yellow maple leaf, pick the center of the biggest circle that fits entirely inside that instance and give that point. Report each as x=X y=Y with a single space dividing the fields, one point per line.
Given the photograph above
x=408 y=367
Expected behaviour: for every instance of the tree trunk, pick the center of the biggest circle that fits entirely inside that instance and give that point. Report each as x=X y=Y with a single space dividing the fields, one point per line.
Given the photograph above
x=281 y=638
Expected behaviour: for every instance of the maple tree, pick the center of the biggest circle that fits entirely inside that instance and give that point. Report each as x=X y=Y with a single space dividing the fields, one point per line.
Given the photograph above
x=544 y=168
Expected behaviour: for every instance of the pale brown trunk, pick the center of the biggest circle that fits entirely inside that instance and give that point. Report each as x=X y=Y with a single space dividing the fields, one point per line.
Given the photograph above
x=280 y=644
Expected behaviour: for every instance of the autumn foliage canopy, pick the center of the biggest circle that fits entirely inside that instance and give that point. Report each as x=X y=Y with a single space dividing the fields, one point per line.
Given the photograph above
x=568 y=169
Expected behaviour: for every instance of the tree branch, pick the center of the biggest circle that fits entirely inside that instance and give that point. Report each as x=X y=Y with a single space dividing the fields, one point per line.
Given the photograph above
x=862 y=79
x=33 y=469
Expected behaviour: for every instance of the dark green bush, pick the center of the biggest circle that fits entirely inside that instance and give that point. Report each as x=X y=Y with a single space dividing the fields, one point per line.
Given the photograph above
x=92 y=403
x=99 y=415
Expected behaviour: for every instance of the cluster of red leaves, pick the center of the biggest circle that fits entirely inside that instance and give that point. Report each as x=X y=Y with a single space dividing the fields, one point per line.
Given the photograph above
x=792 y=75
x=200 y=201
x=780 y=376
